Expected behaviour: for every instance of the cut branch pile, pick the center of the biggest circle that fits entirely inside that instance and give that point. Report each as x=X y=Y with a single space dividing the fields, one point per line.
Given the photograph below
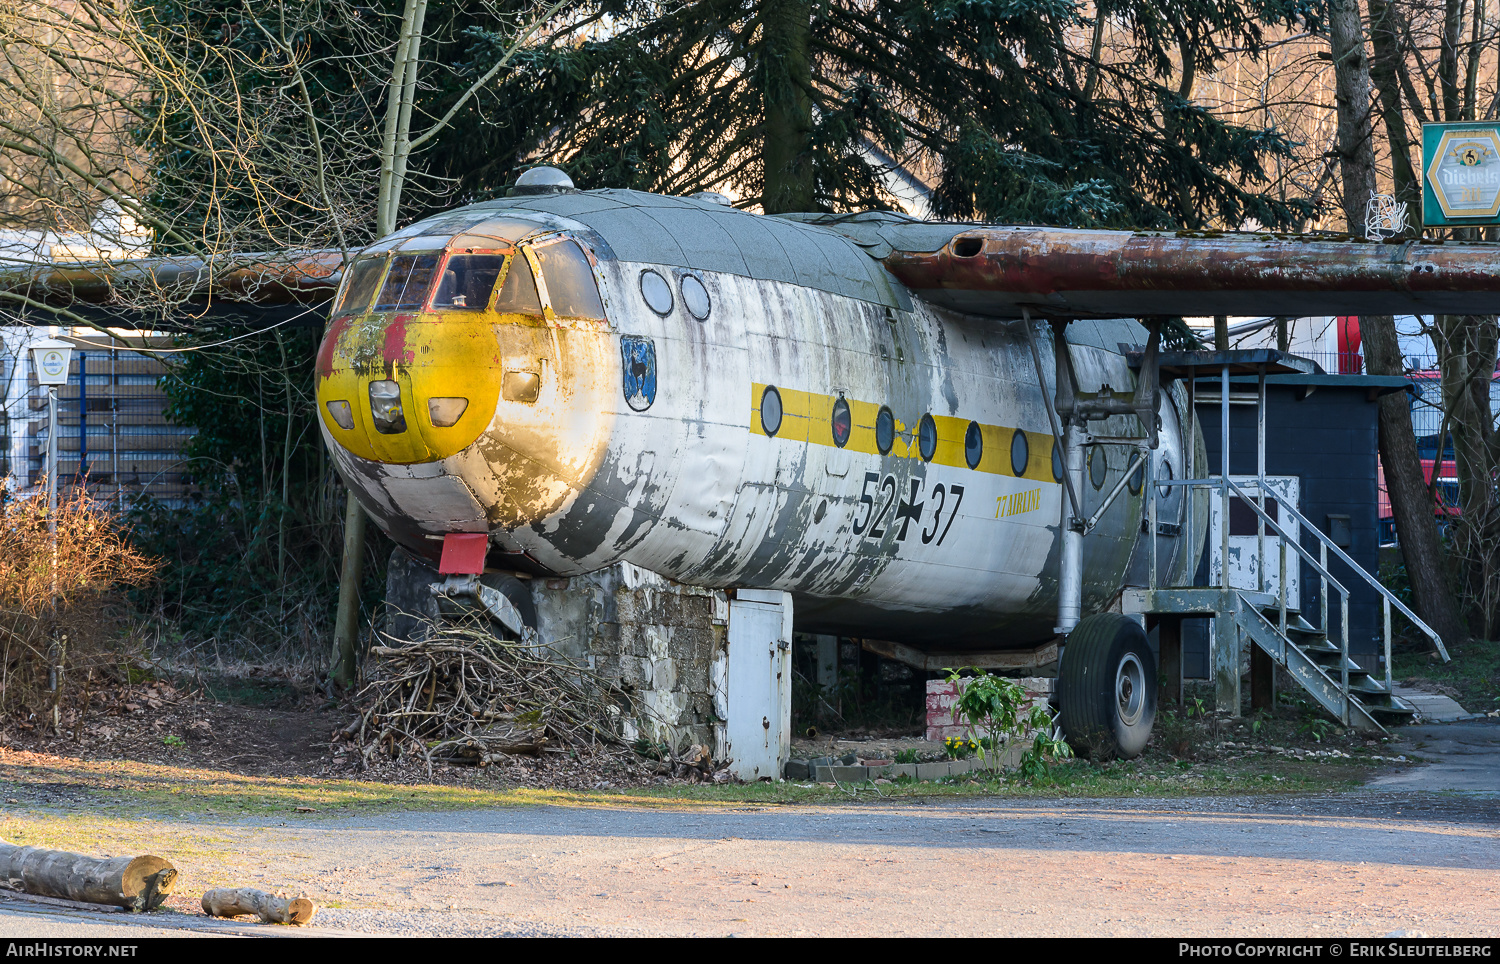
x=467 y=697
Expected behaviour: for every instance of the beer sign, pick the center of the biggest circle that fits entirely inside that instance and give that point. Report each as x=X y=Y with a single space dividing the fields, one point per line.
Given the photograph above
x=1460 y=174
x=51 y=358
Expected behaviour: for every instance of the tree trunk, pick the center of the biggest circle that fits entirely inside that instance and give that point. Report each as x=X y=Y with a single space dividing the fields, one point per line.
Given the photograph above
x=785 y=69
x=1385 y=61
x=1467 y=346
x=234 y=901
x=135 y=883
x=1351 y=93
x=346 y=624
x=1415 y=526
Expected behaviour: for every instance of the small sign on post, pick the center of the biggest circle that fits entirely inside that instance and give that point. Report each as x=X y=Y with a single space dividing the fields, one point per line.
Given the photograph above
x=51 y=359
x=1460 y=175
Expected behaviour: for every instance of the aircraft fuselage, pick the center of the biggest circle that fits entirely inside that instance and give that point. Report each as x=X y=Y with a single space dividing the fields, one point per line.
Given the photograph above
x=888 y=462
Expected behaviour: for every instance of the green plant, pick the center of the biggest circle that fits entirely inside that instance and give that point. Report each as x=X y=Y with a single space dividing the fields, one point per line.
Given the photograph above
x=991 y=709
x=906 y=756
x=1047 y=745
x=171 y=739
x=1315 y=727
x=652 y=750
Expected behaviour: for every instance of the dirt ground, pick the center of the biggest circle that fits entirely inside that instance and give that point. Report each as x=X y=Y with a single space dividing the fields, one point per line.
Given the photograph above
x=1362 y=865
x=155 y=722
x=145 y=771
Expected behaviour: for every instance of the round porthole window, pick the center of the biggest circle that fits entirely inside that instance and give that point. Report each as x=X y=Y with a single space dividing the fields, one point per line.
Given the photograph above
x=695 y=297
x=770 y=410
x=1164 y=474
x=656 y=291
x=1020 y=454
x=1057 y=461
x=1136 y=480
x=1098 y=466
x=973 y=445
x=843 y=422
x=927 y=438
x=885 y=430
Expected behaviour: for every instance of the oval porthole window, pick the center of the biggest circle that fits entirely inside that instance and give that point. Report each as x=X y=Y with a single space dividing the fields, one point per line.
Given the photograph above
x=973 y=445
x=1020 y=454
x=1098 y=466
x=1057 y=461
x=843 y=422
x=770 y=410
x=695 y=297
x=1164 y=474
x=1136 y=480
x=927 y=438
x=885 y=430
x=656 y=291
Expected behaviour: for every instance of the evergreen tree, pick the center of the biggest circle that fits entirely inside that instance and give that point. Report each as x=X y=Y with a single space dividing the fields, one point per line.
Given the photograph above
x=1019 y=108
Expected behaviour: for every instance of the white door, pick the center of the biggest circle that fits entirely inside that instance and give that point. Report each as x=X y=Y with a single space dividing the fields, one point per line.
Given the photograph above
x=1244 y=542
x=758 y=731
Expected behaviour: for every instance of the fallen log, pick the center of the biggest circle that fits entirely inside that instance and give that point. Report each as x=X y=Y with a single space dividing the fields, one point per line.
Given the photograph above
x=134 y=883
x=234 y=901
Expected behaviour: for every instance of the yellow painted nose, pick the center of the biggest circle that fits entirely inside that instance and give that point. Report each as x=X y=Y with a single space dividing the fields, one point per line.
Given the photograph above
x=407 y=388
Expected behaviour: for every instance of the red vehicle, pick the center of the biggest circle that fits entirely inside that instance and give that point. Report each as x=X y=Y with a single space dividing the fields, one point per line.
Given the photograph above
x=1445 y=496
x=1426 y=422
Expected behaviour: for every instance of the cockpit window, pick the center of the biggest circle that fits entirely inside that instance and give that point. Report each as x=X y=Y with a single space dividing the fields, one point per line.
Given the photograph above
x=407 y=283
x=570 y=281
x=518 y=296
x=363 y=277
x=467 y=281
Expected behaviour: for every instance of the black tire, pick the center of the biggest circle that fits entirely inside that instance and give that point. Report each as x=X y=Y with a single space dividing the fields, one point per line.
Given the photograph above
x=1106 y=688
x=410 y=607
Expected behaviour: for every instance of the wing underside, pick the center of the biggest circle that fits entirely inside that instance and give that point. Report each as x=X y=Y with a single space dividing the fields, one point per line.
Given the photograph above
x=1004 y=272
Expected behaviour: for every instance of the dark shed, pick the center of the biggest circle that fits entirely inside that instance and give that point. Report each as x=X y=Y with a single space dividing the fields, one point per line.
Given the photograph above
x=1321 y=429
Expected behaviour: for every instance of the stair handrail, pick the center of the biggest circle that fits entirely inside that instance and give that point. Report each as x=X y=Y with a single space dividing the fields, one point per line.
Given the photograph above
x=1317 y=565
x=1346 y=709
x=1365 y=574
x=1311 y=560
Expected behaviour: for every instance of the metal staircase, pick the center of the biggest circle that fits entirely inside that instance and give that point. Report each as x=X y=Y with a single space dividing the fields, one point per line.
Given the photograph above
x=1314 y=652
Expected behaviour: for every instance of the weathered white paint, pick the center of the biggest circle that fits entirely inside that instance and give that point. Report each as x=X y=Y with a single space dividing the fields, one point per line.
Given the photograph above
x=758 y=698
x=579 y=481
x=1244 y=551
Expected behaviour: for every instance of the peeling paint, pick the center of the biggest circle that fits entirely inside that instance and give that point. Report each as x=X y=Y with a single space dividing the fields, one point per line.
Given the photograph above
x=691 y=486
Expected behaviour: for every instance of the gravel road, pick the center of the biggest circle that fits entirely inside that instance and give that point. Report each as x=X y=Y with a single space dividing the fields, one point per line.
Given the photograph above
x=1414 y=857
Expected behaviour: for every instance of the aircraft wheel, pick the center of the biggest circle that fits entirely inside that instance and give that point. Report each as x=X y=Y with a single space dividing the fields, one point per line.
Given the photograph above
x=411 y=610
x=1106 y=687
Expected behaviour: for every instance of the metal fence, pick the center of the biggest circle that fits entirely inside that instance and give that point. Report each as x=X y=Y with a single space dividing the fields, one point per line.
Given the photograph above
x=113 y=436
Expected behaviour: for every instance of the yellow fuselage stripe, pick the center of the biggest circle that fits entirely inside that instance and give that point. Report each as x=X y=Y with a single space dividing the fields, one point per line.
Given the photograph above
x=808 y=417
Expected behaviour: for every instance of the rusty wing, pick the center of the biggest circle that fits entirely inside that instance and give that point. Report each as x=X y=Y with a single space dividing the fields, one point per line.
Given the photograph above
x=1005 y=271
x=269 y=278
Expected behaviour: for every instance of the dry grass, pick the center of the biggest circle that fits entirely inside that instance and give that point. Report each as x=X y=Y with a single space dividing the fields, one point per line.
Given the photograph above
x=60 y=620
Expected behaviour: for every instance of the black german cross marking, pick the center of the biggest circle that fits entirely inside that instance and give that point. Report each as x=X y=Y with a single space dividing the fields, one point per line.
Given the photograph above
x=910 y=510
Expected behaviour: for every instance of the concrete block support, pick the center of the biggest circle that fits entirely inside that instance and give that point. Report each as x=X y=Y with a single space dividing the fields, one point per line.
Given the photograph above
x=665 y=642
x=703 y=668
x=941 y=695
